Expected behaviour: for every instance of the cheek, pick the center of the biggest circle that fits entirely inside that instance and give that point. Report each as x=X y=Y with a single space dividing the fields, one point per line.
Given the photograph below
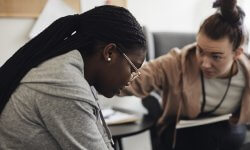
x=223 y=66
x=198 y=59
x=219 y=67
x=125 y=75
x=122 y=76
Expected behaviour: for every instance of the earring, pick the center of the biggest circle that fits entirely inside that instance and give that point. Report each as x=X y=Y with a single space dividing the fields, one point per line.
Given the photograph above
x=109 y=59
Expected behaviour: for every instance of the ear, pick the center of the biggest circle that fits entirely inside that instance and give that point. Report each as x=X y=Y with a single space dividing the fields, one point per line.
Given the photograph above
x=109 y=52
x=237 y=53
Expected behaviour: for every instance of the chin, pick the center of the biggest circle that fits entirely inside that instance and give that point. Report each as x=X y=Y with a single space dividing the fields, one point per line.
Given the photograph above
x=109 y=95
x=209 y=76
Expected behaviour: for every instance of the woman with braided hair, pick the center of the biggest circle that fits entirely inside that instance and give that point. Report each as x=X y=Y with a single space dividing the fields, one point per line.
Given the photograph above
x=206 y=78
x=49 y=87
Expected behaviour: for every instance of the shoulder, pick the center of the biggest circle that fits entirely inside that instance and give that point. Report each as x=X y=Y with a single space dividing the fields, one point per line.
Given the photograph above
x=62 y=69
x=61 y=76
x=177 y=57
x=172 y=64
x=245 y=63
x=63 y=66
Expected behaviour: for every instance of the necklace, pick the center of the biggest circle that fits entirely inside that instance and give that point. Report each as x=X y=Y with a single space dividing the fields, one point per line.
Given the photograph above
x=202 y=114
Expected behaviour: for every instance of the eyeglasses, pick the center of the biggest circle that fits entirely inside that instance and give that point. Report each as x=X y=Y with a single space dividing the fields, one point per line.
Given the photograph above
x=134 y=74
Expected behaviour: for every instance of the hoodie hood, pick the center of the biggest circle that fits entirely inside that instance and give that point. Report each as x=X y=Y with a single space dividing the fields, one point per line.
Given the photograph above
x=61 y=76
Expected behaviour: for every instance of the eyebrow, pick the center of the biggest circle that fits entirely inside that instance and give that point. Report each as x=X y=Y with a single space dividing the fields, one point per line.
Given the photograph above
x=215 y=53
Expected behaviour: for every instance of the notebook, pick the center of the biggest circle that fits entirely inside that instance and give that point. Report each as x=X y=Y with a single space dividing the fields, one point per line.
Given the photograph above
x=114 y=117
x=202 y=121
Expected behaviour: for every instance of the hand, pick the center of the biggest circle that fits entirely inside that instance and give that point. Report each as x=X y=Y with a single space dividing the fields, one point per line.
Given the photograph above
x=233 y=120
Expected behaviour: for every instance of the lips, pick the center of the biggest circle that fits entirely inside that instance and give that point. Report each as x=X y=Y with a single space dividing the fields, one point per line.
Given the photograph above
x=207 y=73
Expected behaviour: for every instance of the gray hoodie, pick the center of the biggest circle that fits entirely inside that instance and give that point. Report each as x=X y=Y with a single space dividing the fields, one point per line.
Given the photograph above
x=54 y=108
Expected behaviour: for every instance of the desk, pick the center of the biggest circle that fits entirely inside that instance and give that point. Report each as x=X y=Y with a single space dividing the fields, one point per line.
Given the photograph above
x=125 y=130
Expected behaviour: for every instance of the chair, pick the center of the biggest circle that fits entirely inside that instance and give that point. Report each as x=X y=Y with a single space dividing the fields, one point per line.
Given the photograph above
x=159 y=43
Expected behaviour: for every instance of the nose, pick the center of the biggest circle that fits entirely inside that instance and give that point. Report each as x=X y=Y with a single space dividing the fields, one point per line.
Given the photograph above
x=205 y=62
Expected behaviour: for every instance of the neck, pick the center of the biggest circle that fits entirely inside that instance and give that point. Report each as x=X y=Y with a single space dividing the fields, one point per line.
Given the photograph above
x=89 y=70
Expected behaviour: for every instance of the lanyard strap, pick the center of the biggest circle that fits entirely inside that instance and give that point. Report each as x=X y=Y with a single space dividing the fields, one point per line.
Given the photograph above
x=101 y=116
x=204 y=95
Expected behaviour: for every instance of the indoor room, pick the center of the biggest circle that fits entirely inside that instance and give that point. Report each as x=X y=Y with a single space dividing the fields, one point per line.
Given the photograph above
x=135 y=117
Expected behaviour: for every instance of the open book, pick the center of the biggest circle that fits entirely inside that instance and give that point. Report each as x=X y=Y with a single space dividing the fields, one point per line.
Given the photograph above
x=202 y=121
x=113 y=117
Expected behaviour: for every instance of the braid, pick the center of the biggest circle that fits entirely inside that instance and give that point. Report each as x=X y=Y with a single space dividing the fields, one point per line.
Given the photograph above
x=104 y=23
x=37 y=50
x=117 y=25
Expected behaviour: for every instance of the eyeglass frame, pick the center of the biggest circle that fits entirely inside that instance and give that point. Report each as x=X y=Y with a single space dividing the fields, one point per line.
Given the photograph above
x=135 y=74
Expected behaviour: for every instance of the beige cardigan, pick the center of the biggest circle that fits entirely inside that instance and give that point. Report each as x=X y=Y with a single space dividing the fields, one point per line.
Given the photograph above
x=177 y=74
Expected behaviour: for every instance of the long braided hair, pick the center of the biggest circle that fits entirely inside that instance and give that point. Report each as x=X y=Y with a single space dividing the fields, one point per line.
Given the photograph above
x=103 y=23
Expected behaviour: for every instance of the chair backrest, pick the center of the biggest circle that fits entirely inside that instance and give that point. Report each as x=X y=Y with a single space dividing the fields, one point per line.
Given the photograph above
x=165 y=41
x=159 y=43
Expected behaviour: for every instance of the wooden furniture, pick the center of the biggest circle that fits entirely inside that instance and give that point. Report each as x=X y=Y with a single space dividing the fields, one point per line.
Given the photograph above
x=33 y=8
x=28 y=8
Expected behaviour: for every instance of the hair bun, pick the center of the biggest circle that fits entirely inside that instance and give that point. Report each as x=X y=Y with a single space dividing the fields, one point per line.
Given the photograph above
x=230 y=11
x=216 y=4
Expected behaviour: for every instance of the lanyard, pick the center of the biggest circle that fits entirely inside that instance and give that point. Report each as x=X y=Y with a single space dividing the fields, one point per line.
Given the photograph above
x=94 y=92
x=203 y=114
